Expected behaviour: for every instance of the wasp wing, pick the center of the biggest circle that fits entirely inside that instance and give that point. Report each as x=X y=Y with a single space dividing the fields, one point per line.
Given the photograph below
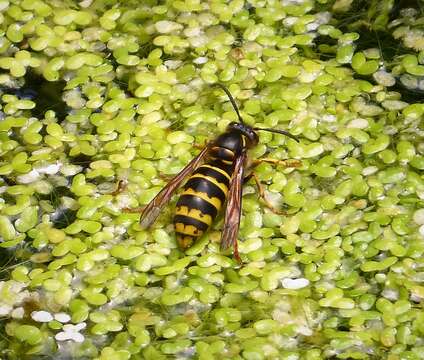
x=152 y=210
x=233 y=209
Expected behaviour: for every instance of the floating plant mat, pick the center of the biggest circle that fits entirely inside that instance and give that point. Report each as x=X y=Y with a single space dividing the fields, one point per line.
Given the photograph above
x=95 y=92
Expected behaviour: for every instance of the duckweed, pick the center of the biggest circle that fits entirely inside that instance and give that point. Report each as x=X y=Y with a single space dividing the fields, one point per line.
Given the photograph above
x=29 y=334
x=335 y=274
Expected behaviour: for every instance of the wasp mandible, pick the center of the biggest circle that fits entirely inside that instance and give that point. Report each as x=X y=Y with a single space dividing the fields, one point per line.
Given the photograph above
x=215 y=179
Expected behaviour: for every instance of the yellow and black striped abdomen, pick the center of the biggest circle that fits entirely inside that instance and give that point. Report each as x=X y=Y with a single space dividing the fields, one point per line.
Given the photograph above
x=204 y=194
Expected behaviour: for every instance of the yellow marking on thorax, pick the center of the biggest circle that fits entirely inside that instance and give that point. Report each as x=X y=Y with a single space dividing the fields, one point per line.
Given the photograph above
x=227 y=162
x=195 y=214
x=223 y=172
x=214 y=201
x=187 y=229
x=222 y=186
x=228 y=151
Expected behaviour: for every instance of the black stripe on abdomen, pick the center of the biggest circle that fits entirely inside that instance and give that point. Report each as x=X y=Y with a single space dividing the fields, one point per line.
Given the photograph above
x=186 y=220
x=209 y=171
x=219 y=164
x=195 y=202
x=205 y=186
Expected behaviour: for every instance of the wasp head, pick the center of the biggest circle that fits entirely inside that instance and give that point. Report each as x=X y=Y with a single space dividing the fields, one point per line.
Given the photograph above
x=247 y=131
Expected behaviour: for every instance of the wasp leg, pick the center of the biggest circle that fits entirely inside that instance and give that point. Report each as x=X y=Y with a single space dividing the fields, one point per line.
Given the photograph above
x=262 y=193
x=247 y=178
x=166 y=177
x=122 y=185
x=133 y=210
x=289 y=163
x=200 y=146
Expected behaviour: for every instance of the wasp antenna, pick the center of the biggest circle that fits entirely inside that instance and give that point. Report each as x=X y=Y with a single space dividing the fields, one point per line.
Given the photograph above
x=279 y=132
x=233 y=102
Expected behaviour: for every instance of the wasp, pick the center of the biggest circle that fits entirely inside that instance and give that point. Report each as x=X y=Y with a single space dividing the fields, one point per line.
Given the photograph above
x=215 y=179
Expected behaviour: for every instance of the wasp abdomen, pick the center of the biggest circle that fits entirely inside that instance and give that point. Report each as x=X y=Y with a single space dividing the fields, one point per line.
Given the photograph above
x=204 y=194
